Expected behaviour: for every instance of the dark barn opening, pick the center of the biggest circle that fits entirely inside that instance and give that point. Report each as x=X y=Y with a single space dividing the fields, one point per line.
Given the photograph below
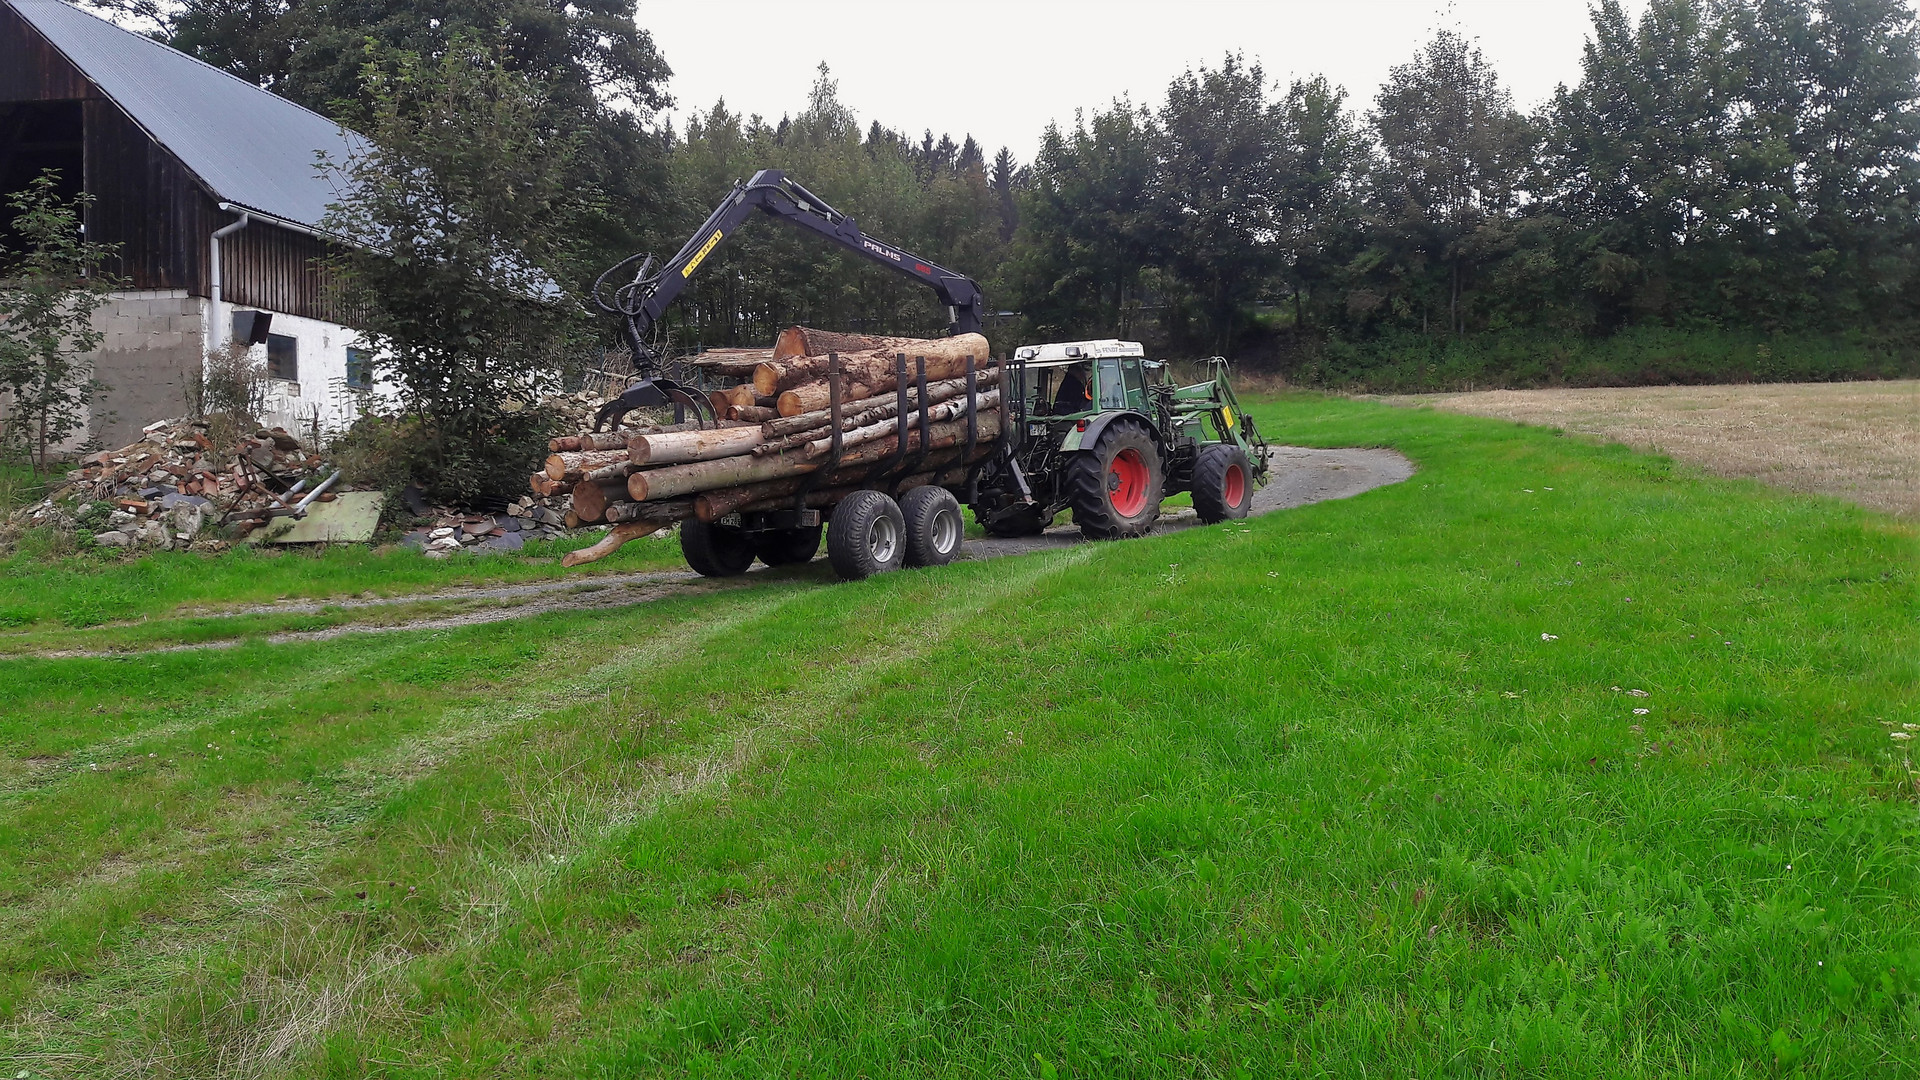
x=36 y=136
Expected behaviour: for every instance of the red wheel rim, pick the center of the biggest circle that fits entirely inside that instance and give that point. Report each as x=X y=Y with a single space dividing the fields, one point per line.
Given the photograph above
x=1127 y=482
x=1236 y=485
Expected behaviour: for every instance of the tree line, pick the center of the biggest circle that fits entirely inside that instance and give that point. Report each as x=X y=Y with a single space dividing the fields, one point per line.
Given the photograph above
x=1738 y=169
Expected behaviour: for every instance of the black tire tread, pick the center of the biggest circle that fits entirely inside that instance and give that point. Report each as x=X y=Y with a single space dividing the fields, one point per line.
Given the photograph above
x=787 y=547
x=1085 y=479
x=847 y=535
x=1015 y=526
x=1210 y=483
x=918 y=508
x=715 y=550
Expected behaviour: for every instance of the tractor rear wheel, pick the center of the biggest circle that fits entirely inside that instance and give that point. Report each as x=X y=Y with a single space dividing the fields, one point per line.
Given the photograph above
x=866 y=536
x=934 y=525
x=1222 y=483
x=715 y=550
x=784 y=547
x=1115 y=487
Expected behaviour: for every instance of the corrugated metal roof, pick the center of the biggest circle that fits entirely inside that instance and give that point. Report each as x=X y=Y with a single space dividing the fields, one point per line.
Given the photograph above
x=251 y=147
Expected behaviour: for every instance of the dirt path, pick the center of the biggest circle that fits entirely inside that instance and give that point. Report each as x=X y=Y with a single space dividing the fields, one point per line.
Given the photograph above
x=1300 y=476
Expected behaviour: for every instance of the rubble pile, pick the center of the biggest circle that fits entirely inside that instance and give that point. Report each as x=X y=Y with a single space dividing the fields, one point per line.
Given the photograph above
x=174 y=489
x=165 y=490
x=526 y=519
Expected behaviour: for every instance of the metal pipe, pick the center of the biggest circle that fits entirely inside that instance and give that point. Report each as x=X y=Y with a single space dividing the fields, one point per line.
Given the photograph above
x=220 y=327
x=300 y=508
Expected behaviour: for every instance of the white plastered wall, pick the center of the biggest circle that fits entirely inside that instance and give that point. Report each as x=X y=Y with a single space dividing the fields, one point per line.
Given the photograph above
x=321 y=390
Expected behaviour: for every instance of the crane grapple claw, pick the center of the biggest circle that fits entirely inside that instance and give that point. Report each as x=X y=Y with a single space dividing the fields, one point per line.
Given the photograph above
x=652 y=394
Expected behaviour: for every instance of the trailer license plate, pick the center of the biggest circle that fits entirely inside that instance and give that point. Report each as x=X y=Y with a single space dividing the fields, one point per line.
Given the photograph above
x=1036 y=429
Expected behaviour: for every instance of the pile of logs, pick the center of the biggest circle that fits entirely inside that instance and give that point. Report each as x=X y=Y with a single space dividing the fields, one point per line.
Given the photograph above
x=778 y=434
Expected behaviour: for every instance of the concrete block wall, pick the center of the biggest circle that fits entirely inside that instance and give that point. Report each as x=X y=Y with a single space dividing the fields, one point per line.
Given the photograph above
x=149 y=359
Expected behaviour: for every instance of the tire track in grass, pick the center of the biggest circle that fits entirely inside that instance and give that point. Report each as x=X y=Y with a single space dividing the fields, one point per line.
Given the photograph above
x=572 y=825
x=307 y=835
x=225 y=710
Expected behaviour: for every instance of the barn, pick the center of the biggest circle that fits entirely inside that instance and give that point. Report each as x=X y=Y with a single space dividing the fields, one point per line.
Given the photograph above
x=209 y=187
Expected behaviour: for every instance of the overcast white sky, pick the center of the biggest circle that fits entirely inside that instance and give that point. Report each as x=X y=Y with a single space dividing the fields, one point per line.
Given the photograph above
x=1001 y=70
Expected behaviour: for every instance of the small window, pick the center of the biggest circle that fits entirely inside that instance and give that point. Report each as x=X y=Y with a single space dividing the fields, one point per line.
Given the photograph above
x=283 y=358
x=359 y=369
x=1113 y=393
x=1136 y=381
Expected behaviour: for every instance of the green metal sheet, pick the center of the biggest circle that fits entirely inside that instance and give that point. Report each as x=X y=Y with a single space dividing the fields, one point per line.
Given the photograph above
x=349 y=519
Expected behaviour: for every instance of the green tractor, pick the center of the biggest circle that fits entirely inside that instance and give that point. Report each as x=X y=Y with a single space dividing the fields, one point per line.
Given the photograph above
x=1099 y=429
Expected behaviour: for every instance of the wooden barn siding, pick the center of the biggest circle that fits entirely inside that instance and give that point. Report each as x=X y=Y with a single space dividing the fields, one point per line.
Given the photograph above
x=147 y=202
x=31 y=69
x=152 y=205
x=269 y=267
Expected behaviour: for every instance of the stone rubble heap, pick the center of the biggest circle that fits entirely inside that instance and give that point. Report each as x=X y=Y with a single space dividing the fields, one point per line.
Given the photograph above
x=163 y=491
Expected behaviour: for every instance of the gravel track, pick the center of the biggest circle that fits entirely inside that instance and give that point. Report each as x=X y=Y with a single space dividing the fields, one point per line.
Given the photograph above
x=1300 y=476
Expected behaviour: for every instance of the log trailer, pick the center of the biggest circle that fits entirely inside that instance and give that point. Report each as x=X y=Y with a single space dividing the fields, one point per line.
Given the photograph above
x=1092 y=426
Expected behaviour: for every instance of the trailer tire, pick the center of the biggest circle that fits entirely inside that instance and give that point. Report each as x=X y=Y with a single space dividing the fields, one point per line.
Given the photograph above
x=1027 y=522
x=866 y=536
x=1222 y=483
x=1115 y=488
x=934 y=525
x=715 y=550
x=786 y=547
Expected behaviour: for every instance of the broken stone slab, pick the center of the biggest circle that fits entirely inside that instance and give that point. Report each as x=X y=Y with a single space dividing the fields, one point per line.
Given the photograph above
x=512 y=541
x=112 y=538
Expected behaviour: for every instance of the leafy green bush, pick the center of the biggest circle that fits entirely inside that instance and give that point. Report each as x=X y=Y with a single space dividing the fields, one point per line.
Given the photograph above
x=461 y=460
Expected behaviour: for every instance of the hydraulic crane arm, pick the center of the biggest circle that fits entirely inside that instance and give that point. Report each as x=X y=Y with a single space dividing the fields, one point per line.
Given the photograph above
x=642 y=301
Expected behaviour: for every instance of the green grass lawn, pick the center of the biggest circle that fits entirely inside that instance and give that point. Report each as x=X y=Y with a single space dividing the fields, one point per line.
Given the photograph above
x=46 y=589
x=1357 y=789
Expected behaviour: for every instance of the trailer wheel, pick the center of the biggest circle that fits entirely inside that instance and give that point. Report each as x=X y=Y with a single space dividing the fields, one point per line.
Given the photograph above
x=1025 y=522
x=866 y=536
x=1115 y=487
x=934 y=525
x=785 y=547
x=715 y=550
x=1222 y=483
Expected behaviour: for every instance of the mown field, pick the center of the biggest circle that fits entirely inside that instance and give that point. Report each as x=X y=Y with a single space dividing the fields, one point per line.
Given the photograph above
x=1857 y=440
x=1557 y=759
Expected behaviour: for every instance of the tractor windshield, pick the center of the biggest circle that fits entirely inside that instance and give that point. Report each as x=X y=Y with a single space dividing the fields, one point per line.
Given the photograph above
x=1058 y=390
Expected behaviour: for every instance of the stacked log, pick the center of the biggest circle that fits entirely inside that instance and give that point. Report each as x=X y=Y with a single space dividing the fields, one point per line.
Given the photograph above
x=780 y=438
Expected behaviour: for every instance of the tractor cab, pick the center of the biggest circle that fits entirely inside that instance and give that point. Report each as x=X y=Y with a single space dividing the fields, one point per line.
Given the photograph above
x=1075 y=379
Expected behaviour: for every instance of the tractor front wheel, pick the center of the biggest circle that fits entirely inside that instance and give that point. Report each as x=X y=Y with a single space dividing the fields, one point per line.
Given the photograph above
x=1222 y=483
x=1115 y=487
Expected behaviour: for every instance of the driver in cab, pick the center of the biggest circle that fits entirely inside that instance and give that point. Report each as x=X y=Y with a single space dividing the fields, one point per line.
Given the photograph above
x=1076 y=391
